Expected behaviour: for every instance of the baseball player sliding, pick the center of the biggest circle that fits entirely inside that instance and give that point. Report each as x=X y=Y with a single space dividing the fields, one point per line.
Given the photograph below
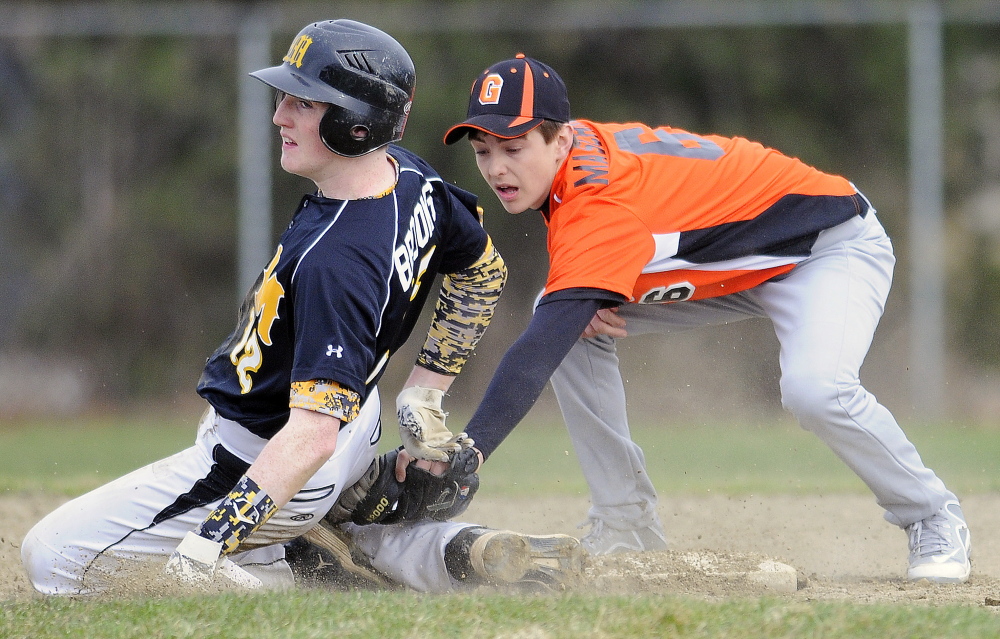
x=286 y=453
x=655 y=229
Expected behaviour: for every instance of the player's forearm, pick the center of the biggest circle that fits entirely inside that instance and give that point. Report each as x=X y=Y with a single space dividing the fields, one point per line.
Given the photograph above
x=295 y=453
x=283 y=467
x=465 y=307
x=526 y=368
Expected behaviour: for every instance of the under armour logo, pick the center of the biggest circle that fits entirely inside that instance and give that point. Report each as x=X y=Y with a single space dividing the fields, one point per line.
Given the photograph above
x=330 y=350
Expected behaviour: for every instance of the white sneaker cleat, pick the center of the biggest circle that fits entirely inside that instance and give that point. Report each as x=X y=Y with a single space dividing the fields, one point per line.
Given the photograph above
x=941 y=547
x=605 y=540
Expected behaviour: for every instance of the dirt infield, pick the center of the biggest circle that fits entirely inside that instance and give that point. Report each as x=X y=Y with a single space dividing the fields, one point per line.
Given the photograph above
x=839 y=545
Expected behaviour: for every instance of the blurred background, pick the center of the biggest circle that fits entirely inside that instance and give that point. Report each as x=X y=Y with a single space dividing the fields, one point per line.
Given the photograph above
x=120 y=179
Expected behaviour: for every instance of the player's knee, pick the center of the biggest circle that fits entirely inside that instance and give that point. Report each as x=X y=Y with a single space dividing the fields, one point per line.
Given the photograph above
x=49 y=571
x=37 y=559
x=812 y=400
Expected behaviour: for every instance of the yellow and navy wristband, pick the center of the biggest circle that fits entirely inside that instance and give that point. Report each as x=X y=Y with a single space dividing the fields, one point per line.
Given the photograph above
x=243 y=511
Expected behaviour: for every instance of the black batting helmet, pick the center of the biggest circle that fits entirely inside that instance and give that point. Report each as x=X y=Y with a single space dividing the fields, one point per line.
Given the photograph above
x=363 y=73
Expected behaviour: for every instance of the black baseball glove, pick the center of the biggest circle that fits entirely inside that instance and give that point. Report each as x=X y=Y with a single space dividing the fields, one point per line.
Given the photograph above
x=378 y=498
x=441 y=497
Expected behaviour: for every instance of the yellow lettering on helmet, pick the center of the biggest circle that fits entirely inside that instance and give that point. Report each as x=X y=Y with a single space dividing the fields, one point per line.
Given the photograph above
x=298 y=51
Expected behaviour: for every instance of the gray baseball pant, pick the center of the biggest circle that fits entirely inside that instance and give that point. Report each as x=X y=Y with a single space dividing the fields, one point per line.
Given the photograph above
x=824 y=314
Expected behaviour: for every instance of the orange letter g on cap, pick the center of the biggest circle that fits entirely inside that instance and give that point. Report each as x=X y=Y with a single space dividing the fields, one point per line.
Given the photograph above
x=490 y=91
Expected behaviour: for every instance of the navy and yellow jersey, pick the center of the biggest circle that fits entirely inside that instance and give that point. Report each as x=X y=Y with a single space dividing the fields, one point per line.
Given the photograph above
x=342 y=293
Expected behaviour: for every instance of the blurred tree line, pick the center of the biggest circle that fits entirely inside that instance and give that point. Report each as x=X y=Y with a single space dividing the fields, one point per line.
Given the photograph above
x=118 y=183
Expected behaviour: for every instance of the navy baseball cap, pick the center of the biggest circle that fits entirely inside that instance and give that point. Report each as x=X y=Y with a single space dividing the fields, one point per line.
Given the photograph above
x=511 y=98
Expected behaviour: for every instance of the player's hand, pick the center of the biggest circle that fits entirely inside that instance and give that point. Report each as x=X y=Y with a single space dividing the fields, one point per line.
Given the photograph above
x=436 y=468
x=195 y=559
x=233 y=573
x=405 y=459
x=422 y=428
x=605 y=322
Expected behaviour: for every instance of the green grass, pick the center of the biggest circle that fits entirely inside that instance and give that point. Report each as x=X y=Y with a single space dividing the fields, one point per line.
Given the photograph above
x=73 y=457
x=537 y=458
x=733 y=459
x=737 y=459
x=393 y=614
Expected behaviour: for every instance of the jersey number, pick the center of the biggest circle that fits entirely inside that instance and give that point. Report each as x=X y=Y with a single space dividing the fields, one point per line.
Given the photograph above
x=681 y=145
x=665 y=294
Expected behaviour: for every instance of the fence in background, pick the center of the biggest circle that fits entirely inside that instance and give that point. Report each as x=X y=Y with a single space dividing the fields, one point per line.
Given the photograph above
x=254 y=25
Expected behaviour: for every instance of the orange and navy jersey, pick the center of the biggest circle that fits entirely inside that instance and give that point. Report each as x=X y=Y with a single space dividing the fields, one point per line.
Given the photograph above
x=663 y=215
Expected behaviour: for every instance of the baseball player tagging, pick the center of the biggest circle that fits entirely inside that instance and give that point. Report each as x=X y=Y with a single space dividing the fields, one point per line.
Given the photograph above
x=675 y=230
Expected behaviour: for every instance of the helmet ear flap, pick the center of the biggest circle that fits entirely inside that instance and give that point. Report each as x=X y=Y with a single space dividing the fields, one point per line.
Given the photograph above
x=359 y=132
x=352 y=134
x=337 y=129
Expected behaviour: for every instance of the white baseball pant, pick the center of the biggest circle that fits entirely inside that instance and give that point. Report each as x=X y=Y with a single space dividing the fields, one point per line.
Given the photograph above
x=88 y=543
